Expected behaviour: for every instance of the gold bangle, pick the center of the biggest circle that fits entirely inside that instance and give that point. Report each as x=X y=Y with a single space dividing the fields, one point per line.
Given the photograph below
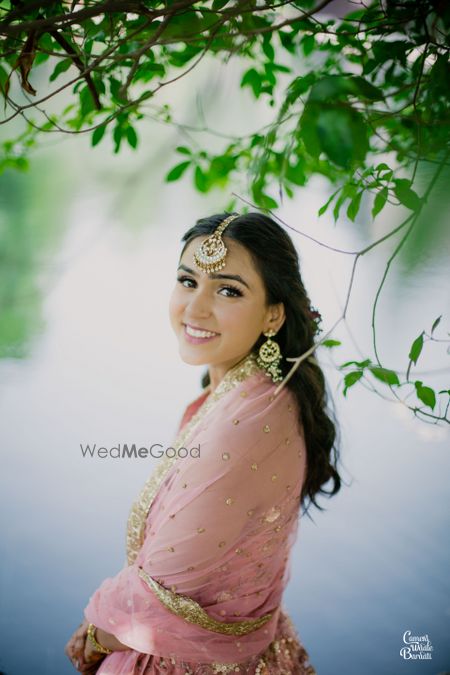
x=91 y=635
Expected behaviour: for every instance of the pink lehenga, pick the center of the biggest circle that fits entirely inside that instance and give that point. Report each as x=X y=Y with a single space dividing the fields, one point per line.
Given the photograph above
x=209 y=541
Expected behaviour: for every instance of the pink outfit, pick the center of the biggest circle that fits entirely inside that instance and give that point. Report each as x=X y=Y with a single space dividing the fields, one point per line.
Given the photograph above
x=209 y=542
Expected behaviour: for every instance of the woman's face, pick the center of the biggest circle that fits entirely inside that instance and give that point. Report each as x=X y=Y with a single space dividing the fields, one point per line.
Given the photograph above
x=218 y=317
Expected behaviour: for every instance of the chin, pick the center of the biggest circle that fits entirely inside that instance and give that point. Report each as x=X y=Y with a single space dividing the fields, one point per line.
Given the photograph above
x=192 y=359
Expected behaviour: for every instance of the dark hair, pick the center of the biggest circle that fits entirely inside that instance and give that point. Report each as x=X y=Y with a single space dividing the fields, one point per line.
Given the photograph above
x=276 y=260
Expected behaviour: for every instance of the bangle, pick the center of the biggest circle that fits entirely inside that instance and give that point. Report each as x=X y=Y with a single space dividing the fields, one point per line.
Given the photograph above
x=91 y=635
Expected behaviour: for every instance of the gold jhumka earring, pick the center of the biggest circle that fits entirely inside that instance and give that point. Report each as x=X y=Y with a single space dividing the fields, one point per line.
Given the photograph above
x=210 y=256
x=269 y=357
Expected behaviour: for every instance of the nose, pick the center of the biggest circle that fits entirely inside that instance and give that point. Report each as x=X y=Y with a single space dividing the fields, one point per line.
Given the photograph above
x=199 y=305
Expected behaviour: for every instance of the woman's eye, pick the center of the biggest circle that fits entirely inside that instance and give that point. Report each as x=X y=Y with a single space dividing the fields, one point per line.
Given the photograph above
x=232 y=292
x=183 y=279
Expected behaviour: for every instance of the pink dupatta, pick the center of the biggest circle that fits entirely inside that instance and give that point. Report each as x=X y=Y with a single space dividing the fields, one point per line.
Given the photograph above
x=209 y=537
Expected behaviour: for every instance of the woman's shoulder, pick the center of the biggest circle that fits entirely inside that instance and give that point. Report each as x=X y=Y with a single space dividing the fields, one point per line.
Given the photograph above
x=255 y=406
x=259 y=392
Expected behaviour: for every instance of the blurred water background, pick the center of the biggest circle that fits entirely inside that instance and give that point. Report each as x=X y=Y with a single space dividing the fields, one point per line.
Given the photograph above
x=93 y=242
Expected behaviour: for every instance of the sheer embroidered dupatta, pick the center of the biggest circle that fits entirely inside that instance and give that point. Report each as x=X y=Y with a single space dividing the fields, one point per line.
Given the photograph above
x=209 y=536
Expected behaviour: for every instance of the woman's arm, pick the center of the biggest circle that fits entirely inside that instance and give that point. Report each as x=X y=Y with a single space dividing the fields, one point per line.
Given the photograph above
x=81 y=651
x=109 y=641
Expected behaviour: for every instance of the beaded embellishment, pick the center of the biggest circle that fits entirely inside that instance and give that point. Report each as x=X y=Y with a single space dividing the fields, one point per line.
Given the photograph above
x=211 y=254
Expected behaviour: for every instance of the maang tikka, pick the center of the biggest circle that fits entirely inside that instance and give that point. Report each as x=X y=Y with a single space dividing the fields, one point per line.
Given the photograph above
x=269 y=357
x=210 y=255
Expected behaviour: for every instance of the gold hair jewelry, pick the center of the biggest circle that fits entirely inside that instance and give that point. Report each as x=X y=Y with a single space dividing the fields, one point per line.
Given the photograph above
x=269 y=357
x=210 y=256
x=91 y=635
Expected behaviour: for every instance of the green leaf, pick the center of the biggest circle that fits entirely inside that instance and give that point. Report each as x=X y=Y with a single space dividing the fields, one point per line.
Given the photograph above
x=331 y=343
x=218 y=4
x=416 y=349
x=267 y=202
x=323 y=208
x=394 y=49
x=201 y=180
x=342 y=135
x=367 y=90
x=3 y=79
x=147 y=71
x=280 y=68
x=98 y=134
x=339 y=201
x=425 y=394
x=117 y=136
x=308 y=130
x=267 y=47
x=176 y=172
x=308 y=44
x=252 y=79
x=360 y=364
x=406 y=195
x=352 y=378
x=332 y=87
x=183 y=149
x=383 y=167
x=296 y=173
x=287 y=41
x=353 y=207
x=289 y=191
x=114 y=87
x=61 y=67
x=132 y=137
x=435 y=324
x=86 y=102
x=379 y=201
x=385 y=375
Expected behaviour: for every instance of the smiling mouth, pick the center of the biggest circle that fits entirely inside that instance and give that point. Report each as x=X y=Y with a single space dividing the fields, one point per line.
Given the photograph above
x=197 y=333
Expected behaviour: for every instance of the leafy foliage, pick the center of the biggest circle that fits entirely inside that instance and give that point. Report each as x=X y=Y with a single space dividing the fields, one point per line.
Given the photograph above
x=372 y=85
x=361 y=100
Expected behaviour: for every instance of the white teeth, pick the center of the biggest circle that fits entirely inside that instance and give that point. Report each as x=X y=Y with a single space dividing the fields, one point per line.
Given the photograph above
x=198 y=333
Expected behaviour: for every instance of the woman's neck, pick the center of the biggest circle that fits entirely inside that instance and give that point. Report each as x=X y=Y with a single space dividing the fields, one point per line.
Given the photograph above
x=217 y=373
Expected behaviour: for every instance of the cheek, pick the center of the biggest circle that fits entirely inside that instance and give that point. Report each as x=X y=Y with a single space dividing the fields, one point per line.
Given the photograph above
x=241 y=321
x=175 y=305
x=233 y=317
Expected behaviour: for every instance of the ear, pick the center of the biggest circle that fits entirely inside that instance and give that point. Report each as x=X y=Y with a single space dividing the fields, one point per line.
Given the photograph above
x=275 y=317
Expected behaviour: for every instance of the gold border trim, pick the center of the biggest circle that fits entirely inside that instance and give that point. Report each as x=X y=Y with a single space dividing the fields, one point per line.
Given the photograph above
x=191 y=611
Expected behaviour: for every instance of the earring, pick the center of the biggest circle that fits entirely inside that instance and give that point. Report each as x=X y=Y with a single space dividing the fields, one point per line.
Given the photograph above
x=269 y=357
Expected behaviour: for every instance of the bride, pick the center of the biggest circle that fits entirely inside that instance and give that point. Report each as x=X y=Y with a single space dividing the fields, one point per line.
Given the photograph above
x=209 y=537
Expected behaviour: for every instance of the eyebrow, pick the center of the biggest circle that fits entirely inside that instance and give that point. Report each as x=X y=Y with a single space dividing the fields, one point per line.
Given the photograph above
x=215 y=275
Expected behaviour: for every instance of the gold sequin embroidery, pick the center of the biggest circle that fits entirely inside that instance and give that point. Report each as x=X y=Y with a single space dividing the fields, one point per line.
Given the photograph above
x=273 y=514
